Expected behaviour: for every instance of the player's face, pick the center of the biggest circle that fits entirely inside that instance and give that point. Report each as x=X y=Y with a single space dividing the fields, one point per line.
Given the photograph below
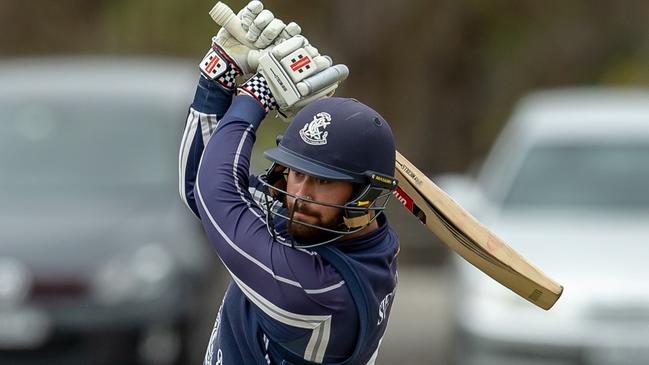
x=332 y=192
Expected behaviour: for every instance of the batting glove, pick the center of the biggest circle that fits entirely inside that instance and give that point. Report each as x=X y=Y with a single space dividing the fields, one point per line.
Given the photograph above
x=295 y=74
x=228 y=57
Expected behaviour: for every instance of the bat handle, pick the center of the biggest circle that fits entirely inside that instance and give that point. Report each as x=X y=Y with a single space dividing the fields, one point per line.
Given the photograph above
x=225 y=17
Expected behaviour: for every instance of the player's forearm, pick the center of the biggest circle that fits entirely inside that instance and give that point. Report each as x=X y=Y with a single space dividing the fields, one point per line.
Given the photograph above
x=212 y=98
x=211 y=101
x=231 y=219
x=224 y=171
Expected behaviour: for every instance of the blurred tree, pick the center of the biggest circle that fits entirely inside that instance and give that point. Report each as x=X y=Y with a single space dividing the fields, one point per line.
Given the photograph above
x=41 y=26
x=445 y=73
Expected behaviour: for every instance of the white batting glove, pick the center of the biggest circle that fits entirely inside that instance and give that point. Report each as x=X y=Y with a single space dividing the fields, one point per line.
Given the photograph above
x=263 y=30
x=296 y=74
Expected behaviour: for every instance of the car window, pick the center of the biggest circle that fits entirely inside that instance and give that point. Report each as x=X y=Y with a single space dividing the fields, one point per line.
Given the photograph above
x=583 y=176
x=84 y=143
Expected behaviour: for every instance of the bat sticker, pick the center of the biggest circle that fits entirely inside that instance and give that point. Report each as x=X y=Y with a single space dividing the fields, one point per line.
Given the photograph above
x=409 y=204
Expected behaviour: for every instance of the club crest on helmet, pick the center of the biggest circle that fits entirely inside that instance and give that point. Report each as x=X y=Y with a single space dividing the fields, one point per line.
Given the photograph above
x=314 y=132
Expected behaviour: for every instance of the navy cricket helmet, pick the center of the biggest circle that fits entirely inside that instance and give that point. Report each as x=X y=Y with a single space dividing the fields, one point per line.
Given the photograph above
x=338 y=139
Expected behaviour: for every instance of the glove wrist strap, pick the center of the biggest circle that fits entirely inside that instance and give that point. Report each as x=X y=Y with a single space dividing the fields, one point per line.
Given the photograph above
x=218 y=66
x=257 y=87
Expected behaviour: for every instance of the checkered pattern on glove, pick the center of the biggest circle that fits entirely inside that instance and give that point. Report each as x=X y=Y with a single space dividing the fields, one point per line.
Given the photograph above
x=257 y=87
x=218 y=66
x=229 y=78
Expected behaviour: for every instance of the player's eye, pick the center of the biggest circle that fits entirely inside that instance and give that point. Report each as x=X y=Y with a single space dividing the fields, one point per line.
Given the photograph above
x=296 y=173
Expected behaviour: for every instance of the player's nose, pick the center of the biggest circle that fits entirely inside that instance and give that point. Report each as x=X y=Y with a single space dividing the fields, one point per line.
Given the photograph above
x=305 y=188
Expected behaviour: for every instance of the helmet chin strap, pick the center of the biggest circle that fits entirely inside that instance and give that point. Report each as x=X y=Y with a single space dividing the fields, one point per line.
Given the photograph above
x=365 y=198
x=356 y=222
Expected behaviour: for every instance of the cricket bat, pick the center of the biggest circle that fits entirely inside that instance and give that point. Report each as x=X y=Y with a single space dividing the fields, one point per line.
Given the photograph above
x=465 y=235
x=448 y=220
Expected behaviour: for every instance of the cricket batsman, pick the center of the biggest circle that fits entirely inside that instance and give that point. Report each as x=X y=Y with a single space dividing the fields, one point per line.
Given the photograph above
x=312 y=258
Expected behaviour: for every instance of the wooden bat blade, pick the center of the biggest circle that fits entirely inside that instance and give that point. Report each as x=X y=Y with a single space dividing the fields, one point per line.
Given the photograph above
x=474 y=242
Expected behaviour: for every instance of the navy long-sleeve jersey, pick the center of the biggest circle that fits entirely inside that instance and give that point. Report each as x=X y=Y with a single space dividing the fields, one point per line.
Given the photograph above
x=281 y=300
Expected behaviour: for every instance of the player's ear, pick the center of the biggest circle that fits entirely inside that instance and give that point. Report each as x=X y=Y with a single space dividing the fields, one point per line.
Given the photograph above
x=276 y=176
x=281 y=183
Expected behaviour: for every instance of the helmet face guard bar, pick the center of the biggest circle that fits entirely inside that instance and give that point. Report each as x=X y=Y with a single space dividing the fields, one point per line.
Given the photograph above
x=372 y=198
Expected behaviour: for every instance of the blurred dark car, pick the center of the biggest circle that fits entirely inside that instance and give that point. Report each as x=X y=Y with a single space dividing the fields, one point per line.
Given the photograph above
x=567 y=185
x=100 y=262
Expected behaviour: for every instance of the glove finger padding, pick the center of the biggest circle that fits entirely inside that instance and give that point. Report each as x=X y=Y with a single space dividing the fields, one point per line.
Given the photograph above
x=288 y=113
x=322 y=80
x=291 y=30
x=258 y=24
x=270 y=32
x=249 y=13
x=290 y=45
x=318 y=86
x=322 y=62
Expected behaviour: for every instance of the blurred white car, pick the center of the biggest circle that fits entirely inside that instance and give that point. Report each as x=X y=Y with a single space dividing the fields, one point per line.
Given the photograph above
x=567 y=185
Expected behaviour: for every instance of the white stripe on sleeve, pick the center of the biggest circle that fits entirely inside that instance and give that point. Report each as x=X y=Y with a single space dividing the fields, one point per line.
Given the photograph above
x=183 y=155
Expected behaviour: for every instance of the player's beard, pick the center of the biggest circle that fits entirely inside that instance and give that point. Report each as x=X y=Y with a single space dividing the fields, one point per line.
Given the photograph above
x=309 y=235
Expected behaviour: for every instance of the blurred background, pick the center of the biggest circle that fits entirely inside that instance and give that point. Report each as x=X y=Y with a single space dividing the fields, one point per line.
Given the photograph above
x=93 y=101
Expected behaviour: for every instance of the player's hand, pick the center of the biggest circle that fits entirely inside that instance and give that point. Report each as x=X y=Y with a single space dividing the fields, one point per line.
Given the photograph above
x=300 y=75
x=262 y=30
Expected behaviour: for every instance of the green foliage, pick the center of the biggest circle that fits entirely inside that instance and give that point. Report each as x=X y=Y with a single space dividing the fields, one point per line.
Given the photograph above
x=158 y=26
x=445 y=73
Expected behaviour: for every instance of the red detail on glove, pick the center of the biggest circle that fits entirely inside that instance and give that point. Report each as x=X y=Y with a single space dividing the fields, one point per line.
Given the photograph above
x=300 y=63
x=212 y=64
